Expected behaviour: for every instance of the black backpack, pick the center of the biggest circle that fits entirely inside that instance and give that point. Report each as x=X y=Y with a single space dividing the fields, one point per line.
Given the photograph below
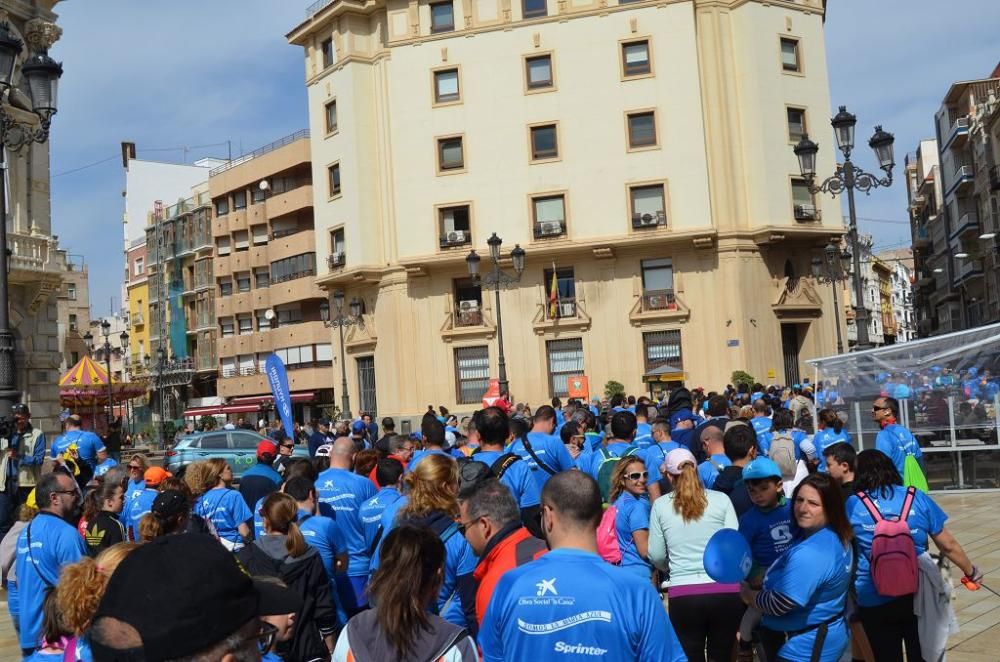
x=471 y=471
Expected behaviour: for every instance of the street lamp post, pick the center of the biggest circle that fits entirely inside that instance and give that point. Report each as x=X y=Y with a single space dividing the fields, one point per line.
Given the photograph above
x=340 y=321
x=161 y=359
x=497 y=278
x=833 y=268
x=42 y=74
x=849 y=177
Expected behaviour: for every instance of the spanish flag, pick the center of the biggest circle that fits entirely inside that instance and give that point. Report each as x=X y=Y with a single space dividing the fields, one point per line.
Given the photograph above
x=554 y=294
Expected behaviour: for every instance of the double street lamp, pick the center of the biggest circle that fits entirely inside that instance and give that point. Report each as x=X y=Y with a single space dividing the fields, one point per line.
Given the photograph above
x=497 y=278
x=849 y=177
x=833 y=268
x=106 y=332
x=340 y=321
x=42 y=74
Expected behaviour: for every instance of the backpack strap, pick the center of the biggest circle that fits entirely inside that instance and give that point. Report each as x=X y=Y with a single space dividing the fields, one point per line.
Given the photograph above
x=502 y=463
x=531 y=451
x=718 y=467
x=631 y=450
x=375 y=542
x=448 y=532
x=872 y=510
x=605 y=454
x=907 y=503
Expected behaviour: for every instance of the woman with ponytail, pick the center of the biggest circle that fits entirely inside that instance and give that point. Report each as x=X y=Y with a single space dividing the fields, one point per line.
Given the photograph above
x=404 y=591
x=830 y=430
x=282 y=552
x=702 y=611
x=101 y=522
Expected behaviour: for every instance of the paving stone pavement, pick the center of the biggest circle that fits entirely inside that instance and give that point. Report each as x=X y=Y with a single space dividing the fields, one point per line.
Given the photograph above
x=973 y=519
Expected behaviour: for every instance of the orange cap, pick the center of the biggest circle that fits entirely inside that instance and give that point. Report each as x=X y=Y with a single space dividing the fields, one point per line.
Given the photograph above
x=155 y=475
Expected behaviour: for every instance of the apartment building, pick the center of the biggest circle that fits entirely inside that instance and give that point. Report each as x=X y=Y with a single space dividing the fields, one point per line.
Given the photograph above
x=902 y=280
x=73 y=310
x=932 y=291
x=137 y=304
x=263 y=281
x=641 y=155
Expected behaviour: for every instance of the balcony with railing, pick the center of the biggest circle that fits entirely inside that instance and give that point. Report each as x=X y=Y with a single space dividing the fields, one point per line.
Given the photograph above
x=657 y=305
x=336 y=260
x=566 y=313
x=967 y=226
x=467 y=320
x=548 y=229
x=456 y=238
x=958 y=135
x=921 y=238
x=965 y=176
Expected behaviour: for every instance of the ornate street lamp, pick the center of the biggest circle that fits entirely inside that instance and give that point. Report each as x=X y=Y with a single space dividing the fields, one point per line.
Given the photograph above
x=849 y=177
x=42 y=74
x=497 y=278
x=340 y=321
x=833 y=268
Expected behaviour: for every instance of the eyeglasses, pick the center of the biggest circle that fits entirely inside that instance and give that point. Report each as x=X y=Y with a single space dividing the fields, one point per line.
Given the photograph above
x=464 y=526
x=265 y=638
x=67 y=492
x=135 y=467
x=408 y=448
x=637 y=475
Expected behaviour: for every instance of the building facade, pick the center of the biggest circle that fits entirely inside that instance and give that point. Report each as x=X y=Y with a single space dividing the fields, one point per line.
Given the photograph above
x=266 y=299
x=74 y=311
x=640 y=153
x=900 y=263
x=933 y=291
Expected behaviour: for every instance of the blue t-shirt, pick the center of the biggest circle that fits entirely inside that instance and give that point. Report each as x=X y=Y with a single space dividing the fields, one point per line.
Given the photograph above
x=419 y=455
x=139 y=505
x=827 y=437
x=371 y=512
x=708 y=472
x=517 y=477
x=322 y=533
x=132 y=490
x=926 y=518
x=815 y=573
x=54 y=544
x=633 y=515
x=897 y=442
x=767 y=532
x=597 y=458
x=226 y=509
x=655 y=455
x=341 y=494
x=760 y=424
x=103 y=467
x=643 y=435
x=549 y=449
x=88 y=445
x=572 y=605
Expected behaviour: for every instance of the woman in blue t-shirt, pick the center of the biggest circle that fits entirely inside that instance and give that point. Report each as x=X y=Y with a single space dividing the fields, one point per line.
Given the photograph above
x=223 y=506
x=889 y=622
x=628 y=496
x=830 y=430
x=805 y=588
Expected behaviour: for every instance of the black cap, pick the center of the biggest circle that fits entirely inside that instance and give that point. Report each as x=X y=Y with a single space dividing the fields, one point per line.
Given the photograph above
x=184 y=593
x=169 y=503
x=20 y=408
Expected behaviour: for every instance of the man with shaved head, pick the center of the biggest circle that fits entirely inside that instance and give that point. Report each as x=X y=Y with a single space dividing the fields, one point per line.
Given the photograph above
x=341 y=493
x=571 y=601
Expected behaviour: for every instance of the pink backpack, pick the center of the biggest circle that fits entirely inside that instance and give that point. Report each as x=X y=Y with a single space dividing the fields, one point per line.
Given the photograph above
x=893 y=555
x=607 y=537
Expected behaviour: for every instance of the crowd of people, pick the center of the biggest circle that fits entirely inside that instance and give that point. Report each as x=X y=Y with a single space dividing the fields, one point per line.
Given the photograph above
x=571 y=531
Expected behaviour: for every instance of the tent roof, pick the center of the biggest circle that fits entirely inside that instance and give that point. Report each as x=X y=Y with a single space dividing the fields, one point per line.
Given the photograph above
x=664 y=373
x=85 y=374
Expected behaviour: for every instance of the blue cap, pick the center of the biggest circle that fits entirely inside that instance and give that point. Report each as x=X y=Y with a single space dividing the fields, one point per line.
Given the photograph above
x=358 y=427
x=324 y=422
x=761 y=467
x=682 y=415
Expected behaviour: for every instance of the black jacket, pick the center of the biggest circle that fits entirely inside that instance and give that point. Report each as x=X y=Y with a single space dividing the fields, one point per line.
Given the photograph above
x=730 y=482
x=306 y=576
x=106 y=530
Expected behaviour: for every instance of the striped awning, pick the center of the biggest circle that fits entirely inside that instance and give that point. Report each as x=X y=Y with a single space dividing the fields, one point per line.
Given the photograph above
x=86 y=374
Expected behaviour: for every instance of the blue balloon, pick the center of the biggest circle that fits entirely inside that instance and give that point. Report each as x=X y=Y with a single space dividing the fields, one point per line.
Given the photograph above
x=727 y=557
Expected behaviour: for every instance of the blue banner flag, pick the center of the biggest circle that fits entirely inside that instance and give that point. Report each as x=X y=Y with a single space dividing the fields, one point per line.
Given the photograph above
x=277 y=377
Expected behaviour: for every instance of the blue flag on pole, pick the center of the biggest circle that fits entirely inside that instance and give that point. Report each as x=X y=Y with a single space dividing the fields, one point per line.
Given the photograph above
x=277 y=377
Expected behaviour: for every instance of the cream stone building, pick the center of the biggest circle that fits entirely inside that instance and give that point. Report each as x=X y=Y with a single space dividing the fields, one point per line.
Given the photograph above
x=643 y=151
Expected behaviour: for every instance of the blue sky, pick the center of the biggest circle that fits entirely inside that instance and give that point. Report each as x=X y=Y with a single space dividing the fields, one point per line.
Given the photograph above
x=187 y=74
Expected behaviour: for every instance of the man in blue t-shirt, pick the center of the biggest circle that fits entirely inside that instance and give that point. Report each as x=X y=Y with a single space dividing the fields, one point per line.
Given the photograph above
x=894 y=440
x=621 y=443
x=261 y=479
x=493 y=428
x=341 y=493
x=432 y=434
x=546 y=448
x=570 y=603
x=44 y=547
x=643 y=430
x=715 y=455
x=656 y=454
x=389 y=474
x=89 y=445
x=320 y=436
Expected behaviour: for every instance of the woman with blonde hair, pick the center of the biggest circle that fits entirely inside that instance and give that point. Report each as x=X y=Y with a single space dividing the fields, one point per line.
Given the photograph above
x=628 y=496
x=282 y=552
x=136 y=467
x=223 y=506
x=704 y=612
x=432 y=502
x=80 y=589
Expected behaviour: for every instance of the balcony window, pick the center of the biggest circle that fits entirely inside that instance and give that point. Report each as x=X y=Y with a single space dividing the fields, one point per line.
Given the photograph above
x=468 y=303
x=442 y=17
x=291 y=314
x=243 y=282
x=241 y=239
x=333 y=177
x=803 y=202
x=72 y=322
x=662 y=348
x=326 y=48
x=641 y=129
x=246 y=324
x=259 y=234
x=450 y=156
x=226 y=327
x=222 y=206
x=225 y=287
x=239 y=200
x=228 y=366
x=297 y=266
x=446 y=87
x=796 y=124
x=658 y=285
x=544 y=143
x=454 y=223
x=259 y=195
x=223 y=245
x=338 y=251
x=564 y=304
x=549 y=215
x=635 y=58
x=538 y=71
x=472 y=373
x=263 y=324
x=534 y=8
x=565 y=360
x=790 y=54
x=647 y=206
x=330 y=113
x=71 y=291
x=261 y=278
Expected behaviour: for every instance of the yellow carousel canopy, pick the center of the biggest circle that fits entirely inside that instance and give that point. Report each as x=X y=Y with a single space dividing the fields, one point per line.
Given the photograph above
x=85 y=374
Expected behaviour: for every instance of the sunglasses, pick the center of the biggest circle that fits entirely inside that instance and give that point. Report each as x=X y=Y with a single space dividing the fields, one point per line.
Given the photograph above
x=135 y=467
x=637 y=475
x=288 y=446
x=877 y=408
